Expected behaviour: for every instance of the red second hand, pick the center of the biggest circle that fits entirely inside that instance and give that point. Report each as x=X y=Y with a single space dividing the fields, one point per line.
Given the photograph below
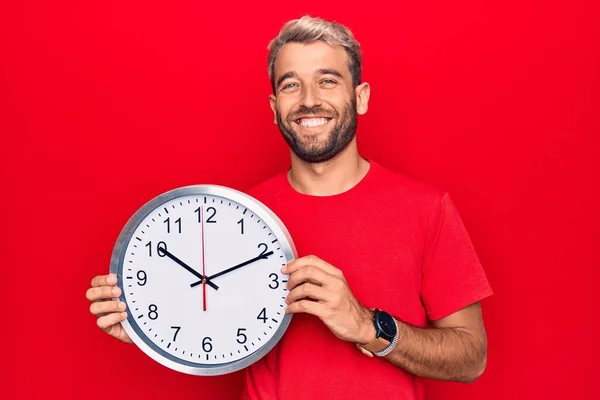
x=203 y=268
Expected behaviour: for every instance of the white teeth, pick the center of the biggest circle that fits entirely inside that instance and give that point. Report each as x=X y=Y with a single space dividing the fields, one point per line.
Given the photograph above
x=312 y=122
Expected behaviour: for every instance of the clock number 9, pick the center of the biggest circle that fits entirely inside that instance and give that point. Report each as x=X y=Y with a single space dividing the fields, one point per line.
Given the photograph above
x=141 y=275
x=207 y=344
x=274 y=281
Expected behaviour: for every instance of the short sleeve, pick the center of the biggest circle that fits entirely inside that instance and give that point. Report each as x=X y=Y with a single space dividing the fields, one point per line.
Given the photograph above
x=453 y=276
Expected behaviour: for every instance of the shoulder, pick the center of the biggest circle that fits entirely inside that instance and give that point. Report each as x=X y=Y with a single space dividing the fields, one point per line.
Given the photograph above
x=407 y=188
x=270 y=188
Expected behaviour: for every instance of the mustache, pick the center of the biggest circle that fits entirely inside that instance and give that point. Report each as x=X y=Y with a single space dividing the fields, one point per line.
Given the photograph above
x=316 y=110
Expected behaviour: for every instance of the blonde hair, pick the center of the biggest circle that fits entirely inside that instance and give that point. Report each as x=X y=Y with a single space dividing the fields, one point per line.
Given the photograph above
x=309 y=30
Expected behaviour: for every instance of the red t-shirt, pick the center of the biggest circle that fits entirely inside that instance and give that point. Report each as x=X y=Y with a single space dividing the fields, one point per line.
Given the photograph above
x=402 y=248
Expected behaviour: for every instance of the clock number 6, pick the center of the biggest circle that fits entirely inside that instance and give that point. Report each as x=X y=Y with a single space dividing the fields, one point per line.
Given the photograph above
x=207 y=345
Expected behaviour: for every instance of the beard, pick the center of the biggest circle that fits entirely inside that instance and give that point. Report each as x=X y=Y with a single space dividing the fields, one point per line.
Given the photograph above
x=337 y=140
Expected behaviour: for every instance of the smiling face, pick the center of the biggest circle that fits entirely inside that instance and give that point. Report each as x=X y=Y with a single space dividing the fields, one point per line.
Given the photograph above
x=315 y=104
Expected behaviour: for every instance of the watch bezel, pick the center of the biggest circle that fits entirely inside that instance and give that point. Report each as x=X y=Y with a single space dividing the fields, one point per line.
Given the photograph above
x=380 y=319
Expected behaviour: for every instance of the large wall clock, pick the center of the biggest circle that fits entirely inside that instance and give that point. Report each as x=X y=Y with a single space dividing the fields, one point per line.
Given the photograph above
x=200 y=272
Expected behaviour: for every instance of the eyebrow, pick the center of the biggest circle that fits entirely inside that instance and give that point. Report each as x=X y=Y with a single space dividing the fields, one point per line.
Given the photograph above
x=326 y=71
x=285 y=76
x=322 y=71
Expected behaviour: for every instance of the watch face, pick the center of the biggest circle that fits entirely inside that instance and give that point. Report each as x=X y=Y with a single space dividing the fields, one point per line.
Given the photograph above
x=386 y=324
x=200 y=273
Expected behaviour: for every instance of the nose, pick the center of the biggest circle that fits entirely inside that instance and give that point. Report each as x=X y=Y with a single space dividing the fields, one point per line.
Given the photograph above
x=310 y=97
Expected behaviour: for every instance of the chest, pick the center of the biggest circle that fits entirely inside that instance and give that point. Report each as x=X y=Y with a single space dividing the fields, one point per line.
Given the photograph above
x=378 y=251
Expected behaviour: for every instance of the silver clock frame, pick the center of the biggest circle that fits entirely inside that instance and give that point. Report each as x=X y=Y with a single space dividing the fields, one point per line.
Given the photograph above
x=116 y=267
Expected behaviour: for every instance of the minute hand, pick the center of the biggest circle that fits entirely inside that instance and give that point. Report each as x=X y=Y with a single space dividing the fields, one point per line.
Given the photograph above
x=228 y=270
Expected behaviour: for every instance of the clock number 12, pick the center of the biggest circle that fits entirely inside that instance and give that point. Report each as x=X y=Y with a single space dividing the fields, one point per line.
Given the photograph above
x=210 y=219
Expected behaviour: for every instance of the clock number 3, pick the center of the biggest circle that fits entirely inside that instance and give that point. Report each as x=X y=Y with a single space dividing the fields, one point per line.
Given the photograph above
x=274 y=281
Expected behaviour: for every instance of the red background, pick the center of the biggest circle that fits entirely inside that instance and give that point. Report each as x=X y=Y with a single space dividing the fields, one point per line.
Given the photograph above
x=103 y=106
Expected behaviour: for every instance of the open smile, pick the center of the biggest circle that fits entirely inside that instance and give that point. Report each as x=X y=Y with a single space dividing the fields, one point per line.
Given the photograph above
x=313 y=122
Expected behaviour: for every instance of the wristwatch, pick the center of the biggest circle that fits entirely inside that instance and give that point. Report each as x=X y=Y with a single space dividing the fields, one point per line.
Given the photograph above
x=386 y=335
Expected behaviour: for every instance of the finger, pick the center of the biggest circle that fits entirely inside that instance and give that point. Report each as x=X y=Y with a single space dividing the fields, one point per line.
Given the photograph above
x=100 y=308
x=313 y=260
x=111 y=319
x=306 y=306
x=102 y=293
x=104 y=280
x=309 y=273
x=309 y=291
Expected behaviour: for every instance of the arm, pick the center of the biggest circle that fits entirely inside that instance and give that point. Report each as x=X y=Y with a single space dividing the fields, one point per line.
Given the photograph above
x=454 y=349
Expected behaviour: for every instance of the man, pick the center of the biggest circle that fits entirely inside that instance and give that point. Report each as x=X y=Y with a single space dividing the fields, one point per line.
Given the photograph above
x=384 y=245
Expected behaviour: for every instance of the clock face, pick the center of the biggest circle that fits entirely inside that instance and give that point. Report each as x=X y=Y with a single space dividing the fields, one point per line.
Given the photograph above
x=200 y=270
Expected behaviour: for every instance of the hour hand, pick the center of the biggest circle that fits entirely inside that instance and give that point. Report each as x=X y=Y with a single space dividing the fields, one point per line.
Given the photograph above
x=165 y=252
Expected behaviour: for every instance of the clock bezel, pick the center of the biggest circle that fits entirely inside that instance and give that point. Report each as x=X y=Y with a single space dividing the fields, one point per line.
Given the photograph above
x=117 y=261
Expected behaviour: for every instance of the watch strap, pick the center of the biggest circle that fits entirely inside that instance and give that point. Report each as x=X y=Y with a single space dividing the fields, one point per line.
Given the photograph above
x=374 y=346
x=392 y=345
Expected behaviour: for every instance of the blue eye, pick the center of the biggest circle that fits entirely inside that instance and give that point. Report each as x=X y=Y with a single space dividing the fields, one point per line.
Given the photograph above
x=288 y=86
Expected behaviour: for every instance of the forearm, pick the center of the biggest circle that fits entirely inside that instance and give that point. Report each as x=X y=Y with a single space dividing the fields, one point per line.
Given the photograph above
x=452 y=354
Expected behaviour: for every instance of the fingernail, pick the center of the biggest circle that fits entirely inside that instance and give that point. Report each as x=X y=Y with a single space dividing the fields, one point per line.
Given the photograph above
x=111 y=279
x=286 y=299
x=122 y=305
x=116 y=291
x=124 y=315
x=283 y=270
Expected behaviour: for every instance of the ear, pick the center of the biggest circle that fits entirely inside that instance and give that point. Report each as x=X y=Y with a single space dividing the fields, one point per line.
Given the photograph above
x=273 y=101
x=362 y=92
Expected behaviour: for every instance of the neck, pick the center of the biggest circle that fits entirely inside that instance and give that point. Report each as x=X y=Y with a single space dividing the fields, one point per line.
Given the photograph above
x=329 y=178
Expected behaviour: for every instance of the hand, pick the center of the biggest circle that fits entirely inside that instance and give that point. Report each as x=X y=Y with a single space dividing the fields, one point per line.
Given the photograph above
x=187 y=267
x=320 y=289
x=110 y=312
x=250 y=261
